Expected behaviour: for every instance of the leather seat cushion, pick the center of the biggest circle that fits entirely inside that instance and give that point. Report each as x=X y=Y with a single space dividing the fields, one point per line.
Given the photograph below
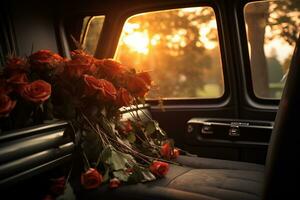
x=183 y=183
x=209 y=163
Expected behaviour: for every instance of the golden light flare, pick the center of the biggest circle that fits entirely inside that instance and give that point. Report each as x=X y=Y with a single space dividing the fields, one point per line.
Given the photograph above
x=140 y=42
x=137 y=41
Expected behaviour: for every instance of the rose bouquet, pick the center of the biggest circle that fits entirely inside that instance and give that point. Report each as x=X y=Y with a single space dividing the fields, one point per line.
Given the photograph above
x=88 y=93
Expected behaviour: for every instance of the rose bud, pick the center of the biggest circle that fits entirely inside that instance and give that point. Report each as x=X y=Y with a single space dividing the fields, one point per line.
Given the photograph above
x=166 y=151
x=37 y=91
x=159 y=168
x=6 y=105
x=58 y=186
x=175 y=154
x=91 y=179
x=123 y=98
x=114 y=183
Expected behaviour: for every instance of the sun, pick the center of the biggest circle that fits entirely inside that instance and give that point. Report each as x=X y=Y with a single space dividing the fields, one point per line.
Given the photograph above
x=137 y=41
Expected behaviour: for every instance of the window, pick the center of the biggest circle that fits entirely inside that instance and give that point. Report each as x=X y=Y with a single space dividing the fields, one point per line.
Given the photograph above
x=179 y=48
x=272 y=30
x=90 y=34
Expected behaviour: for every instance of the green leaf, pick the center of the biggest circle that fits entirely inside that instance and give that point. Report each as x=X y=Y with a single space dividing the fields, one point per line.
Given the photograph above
x=131 y=137
x=141 y=174
x=106 y=154
x=116 y=160
x=130 y=160
x=152 y=127
x=121 y=175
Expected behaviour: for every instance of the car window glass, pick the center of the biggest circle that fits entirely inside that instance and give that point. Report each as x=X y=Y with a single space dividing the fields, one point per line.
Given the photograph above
x=272 y=29
x=180 y=49
x=91 y=31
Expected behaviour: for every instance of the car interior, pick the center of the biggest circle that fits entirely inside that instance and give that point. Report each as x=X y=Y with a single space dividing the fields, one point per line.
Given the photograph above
x=238 y=140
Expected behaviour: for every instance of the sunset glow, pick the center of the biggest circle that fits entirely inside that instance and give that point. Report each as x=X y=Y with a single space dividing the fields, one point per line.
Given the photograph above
x=140 y=42
x=136 y=40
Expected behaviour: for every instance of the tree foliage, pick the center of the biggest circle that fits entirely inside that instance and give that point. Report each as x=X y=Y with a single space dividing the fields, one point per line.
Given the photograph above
x=179 y=57
x=285 y=20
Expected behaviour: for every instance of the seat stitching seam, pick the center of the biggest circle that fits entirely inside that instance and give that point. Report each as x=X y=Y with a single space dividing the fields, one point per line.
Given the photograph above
x=178 y=176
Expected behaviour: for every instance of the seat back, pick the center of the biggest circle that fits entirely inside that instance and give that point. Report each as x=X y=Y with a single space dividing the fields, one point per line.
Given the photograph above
x=282 y=164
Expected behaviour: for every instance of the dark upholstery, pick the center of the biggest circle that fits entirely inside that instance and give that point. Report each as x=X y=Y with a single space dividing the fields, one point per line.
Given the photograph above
x=203 y=179
x=209 y=163
x=282 y=164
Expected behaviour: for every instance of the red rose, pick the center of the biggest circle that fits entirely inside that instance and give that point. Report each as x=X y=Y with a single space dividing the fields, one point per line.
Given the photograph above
x=37 y=91
x=58 y=186
x=16 y=65
x=166 y=151
x=105 y=89
x=176 y=153
x=81 y=63
x=18 y=81
x=137 y=86
x=123 y=98
x=6 y=105
x=145 y=76
x=114 y=183
x=91 y=84
x=91 y=179
x=45 y=59
x=159 y=168
x=110 y=68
